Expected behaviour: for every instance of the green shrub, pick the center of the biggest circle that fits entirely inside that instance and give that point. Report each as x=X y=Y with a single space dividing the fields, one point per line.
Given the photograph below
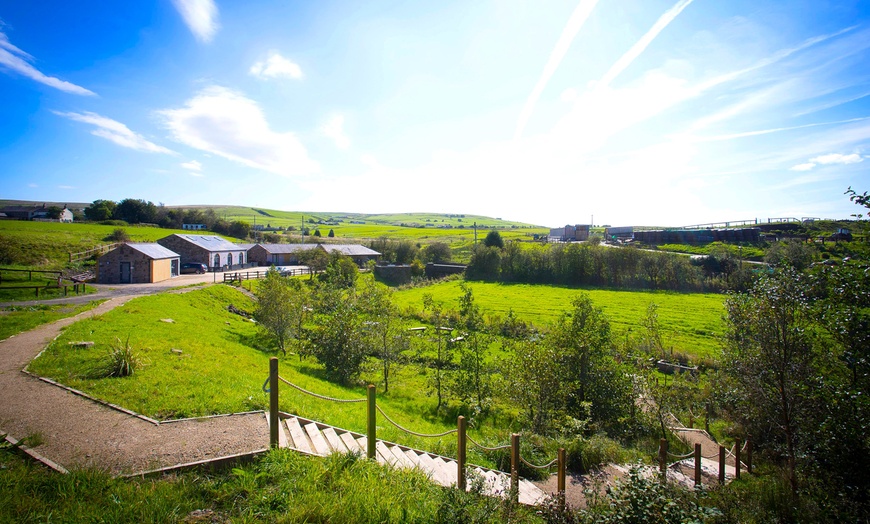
x=122 y=360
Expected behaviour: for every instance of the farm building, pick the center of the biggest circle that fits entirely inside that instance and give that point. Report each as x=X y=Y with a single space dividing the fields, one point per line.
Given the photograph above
x=613 y=233
x=137 y=264
x=359 y=254
x=277 y=254
x=691 y=236
x=193 y=227
x=570 y=233
x=211 y=250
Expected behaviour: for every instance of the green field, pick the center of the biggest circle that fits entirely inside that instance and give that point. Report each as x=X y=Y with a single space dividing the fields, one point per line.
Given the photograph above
x=691 y=322
x=17 y=319
x=47 y=245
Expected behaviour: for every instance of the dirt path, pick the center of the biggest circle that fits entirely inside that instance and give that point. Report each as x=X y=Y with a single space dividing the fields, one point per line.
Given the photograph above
x=74 y=431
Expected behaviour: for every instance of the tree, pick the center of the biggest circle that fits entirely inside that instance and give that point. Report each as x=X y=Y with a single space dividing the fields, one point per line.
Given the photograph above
x=437 y=252
x=770 y=356
x=331 y=234
x=473 y=377
x=100 y=210
x=493 y=239
x=280 y=308
x=389 y=337
x=54 y=212
x=485 y=263
x=317 y=232
x=792 y=252
x=537 y=383
x=316 y=259
x=443 y=355
x=338 y=339
x=136 y=211
x=341 y=271
x=239 y=229
x=119 y=235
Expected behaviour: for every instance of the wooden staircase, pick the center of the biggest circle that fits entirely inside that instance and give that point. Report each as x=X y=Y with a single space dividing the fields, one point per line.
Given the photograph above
x=313 y=438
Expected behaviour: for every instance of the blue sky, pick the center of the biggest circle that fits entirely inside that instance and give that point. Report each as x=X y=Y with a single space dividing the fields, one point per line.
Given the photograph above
x=669 y=112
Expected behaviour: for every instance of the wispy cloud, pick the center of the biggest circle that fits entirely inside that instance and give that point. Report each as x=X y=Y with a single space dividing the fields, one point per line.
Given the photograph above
x=17 y=60
x=641 y=45
x=194 y=168
x=201 y=17
x=334 y=129
x=276 y=66
x=228 y=124
x=832 y=158
x=575 y=22
x=758 y=132
x=32 y=185
x=115 y=132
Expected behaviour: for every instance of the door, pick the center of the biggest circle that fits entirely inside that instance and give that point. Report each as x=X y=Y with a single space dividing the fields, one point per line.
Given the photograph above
x=173 y=267
x=126 y=273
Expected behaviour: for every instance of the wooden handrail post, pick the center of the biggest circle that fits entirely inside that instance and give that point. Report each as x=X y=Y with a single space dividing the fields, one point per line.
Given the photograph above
x=737 y=443
x=663 y=456
x=560 y=483
x=722 y=465
x=697 y=464
x=372 y=426
x=749 y=455
x=273 y=402
x=515 y=466
x=460 y=452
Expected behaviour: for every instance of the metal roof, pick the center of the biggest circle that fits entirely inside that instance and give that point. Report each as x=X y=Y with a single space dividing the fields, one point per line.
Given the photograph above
x=277 y=249
x=155 y=251
x=211 y=242
x=350 y=249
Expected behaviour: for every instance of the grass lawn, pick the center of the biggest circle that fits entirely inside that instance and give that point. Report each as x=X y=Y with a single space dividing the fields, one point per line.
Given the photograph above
x=220 y=369
x=18 y=319
x=15 y=283
x=690 y=322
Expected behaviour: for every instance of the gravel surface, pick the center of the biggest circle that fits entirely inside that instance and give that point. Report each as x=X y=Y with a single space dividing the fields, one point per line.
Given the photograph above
x=74 y=431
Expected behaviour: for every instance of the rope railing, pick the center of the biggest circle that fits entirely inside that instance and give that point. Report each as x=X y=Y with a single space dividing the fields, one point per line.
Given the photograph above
x=322 y=397
x=406 y=430
x=545 y=466
x=485 y=448
x=681 y=457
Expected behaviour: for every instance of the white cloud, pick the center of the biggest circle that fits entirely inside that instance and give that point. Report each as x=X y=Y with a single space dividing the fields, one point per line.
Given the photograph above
x=116 y=132
x=193 y=167
x=837 y=158
x=228 y=124
x=334 y=129
x=17 y=60
x=276 y=66
x=32 y=185
x=200 y=16
x=804 y=167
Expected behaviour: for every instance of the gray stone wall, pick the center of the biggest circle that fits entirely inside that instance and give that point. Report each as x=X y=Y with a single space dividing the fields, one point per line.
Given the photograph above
x=109 y=266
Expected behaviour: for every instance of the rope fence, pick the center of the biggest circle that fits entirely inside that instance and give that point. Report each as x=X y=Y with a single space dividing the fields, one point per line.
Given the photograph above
x=545 y=466
x=406 y=430
x=484 y=448
x=322 y=397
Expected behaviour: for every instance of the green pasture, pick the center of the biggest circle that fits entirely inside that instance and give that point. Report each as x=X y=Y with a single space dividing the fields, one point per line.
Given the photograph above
x=47 y=245
x=691 y=322
x=18 y=285
x=221 y=370
x=18 y=319
x=747 y=252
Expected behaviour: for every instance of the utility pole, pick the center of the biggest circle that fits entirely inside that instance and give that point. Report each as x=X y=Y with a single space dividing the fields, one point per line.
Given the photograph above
x=475 y=232
x=302 y=229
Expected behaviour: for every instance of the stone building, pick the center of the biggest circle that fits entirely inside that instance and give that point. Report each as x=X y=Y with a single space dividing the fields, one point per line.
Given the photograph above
x=277 y=254
x=359 y=254
x=211 y=250
x=137 y=264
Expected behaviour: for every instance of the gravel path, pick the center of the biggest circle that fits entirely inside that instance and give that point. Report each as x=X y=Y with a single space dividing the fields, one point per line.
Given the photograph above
x=77 y=432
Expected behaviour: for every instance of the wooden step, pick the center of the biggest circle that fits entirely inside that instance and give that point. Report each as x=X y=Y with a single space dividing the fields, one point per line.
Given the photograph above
x=297 y=434
x=282 y=435
x=318 y=442
x=334 y=440
x=351 y=443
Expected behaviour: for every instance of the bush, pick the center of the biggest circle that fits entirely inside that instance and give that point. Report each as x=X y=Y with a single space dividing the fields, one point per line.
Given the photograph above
x=122 y=361
x=119 y=235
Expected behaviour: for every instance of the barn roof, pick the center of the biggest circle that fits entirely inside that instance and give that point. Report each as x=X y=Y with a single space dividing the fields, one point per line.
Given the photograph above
x=277 y=249
x=210 y=242
x=350 y=249
x=155 y=251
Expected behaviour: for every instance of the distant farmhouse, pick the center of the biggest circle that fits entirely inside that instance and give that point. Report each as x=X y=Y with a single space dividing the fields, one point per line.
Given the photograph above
x=193 y=227
x=35 y=213
x=359 y=254
x=570 y=233
x=132 y=263
x=211 y=250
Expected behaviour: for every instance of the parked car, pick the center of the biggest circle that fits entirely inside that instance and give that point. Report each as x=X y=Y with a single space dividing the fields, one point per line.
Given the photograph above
x=193 y=267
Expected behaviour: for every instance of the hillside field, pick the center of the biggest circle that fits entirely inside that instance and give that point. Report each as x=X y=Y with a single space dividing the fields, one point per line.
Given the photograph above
x=690 y=322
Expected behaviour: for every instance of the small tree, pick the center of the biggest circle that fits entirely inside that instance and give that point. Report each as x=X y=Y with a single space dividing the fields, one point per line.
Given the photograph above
x=331 y=234
x=389 y=338
x=317 y=233
x=119 y=235
x=472 y=380
x=493 y=239
x=437 y=252
x=280 y=308
x=316 y=259
x=341 y=271
x=537 y=382
x=443 y=355
x=339 y=339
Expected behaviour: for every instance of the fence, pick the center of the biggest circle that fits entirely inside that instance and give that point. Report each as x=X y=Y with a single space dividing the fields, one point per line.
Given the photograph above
x=736 y=451
x=371 y=434
x=230 y=277
x=30 y=272
x=88 y=253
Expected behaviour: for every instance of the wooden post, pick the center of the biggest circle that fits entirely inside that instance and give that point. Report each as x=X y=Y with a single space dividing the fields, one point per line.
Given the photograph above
x=515 y=466
x=372 y=433
x=749 y=455
x=737 y=443
x=663 y=456
x=697 y=464
x=561 y=479
x=273 y=402
x=460 y=452
x=37 y=291
x=722 y=465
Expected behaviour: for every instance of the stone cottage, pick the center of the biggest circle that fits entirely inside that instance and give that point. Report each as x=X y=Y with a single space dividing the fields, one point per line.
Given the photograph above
x=137 y=264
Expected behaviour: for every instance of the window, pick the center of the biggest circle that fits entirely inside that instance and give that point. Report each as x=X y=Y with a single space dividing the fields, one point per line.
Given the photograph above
x=217 y=260
x=229 y=259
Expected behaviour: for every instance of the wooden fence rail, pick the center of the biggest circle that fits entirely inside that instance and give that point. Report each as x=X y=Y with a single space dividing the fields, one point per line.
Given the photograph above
x=77 y=288
x=88 y=253
x=239 y=276
x=30 y=272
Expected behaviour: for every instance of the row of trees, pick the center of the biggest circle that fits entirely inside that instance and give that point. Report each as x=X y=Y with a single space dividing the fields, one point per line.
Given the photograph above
x=584 y=264
x=137 y=211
